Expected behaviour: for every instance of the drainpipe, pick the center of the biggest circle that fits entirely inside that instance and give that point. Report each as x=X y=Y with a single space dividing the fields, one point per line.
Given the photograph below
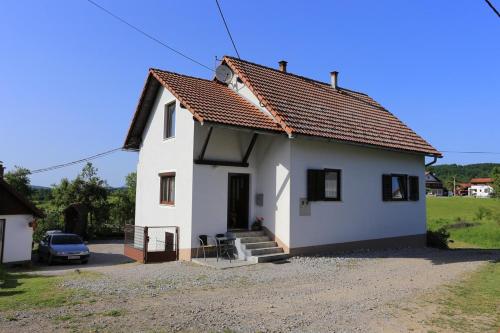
x=432 y=162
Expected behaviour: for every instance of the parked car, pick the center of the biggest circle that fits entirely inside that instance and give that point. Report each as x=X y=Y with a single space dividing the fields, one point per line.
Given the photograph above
x=63 y=247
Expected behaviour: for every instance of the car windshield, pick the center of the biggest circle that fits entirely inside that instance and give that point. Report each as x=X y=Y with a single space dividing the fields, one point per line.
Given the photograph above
x=66 y=239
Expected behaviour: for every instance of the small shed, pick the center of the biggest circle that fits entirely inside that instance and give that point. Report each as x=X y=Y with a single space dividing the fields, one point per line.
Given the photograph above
x=76 y=219
x=17 y=220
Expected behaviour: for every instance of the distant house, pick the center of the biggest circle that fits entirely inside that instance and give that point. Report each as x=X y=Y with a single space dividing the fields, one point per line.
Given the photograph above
x=326 y=168
x=480 y=187
x=434 y=185
x=17 y=219
x=462 y=189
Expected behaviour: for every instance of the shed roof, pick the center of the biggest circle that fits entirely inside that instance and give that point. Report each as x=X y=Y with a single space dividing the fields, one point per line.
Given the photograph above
x=13 y=202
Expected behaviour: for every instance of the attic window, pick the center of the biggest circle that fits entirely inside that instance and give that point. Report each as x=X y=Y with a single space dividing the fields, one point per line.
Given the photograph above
x=169 y=121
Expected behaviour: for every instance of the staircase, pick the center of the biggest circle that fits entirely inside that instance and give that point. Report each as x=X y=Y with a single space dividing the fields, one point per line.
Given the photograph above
x=257 y=247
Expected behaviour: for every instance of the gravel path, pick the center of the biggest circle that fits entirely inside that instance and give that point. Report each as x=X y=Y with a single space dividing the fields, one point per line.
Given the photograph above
x=356 y=292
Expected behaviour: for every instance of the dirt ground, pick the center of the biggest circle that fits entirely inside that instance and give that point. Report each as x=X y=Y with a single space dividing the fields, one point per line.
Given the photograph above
x=357 y=292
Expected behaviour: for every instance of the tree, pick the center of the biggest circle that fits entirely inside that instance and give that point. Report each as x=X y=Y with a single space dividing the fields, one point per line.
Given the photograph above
x=19 y=179
x=123 y=202
x=495 y=174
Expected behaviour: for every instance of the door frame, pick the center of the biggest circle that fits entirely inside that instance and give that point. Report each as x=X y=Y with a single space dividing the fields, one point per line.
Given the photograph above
x=4 y=222
x=247 y=176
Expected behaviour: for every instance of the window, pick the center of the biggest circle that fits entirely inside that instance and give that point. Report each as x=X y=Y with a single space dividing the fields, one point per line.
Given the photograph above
x=167 y=188
x=323 y=185
x=395 y=188
x=169 y=130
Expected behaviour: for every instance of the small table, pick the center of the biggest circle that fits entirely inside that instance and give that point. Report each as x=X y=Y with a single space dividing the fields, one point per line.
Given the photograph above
x=225 y=246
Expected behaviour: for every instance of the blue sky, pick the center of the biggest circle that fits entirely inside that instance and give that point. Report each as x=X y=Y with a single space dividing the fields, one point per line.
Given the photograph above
x=70 y=76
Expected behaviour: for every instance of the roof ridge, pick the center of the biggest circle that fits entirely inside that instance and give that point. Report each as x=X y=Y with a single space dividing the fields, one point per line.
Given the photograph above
x=183 y=75
x=296 y=75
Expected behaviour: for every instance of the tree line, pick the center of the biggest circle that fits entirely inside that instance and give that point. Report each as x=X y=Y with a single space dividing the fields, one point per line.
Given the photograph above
x=109 y=209
x=464 y=173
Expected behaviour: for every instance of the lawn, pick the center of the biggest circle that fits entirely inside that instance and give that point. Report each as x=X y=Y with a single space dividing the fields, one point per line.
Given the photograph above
x=471 y=222
x=20 y=291
x=472 y=305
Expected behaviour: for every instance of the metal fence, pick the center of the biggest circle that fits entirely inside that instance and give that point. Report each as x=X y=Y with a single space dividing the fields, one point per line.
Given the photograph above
x=151 y=244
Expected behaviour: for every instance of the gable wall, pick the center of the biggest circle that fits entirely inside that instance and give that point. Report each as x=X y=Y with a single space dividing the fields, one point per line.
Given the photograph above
x=361 y=214
x=158 y=155
x=18 y=238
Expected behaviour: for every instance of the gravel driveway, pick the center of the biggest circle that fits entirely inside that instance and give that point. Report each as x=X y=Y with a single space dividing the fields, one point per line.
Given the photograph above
x=357 y=292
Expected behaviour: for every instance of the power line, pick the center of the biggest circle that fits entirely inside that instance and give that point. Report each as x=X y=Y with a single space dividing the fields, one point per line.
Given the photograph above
x=147 y=35
x=227 y=28
x=492 y=7
x=471 y=152
x=86 y=159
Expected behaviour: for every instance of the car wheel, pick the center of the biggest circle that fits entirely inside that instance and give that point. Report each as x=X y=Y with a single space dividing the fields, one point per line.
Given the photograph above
x=50 y=260
x=85 y=261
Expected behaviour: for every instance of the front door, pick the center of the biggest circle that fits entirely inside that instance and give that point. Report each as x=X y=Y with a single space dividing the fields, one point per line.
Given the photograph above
x=2 y=239
x=238 y=201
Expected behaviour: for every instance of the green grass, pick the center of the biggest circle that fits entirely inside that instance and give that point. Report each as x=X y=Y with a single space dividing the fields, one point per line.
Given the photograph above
x=444 y=212
x=21 y=291
x=472 y=305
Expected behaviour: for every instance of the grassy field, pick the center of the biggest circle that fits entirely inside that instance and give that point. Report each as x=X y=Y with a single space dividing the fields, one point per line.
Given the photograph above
x=472 y=305
x=471 y=222
x=20 y=291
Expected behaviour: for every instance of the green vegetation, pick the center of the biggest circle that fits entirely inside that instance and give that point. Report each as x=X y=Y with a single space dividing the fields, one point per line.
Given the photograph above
x=472 y=305
x=109 y=209
x=19 y=291
x=471 y=222
x=463 y=173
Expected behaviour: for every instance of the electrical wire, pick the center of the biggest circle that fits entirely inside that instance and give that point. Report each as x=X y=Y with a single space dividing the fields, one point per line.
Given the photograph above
x=492 y=7
x=86 y=159
x=148 y=35
x=227 y=28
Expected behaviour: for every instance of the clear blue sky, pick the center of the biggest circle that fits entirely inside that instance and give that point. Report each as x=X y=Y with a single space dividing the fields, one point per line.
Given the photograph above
x=70 y=76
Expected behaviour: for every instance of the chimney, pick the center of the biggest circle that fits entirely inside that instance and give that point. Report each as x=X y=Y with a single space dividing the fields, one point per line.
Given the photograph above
x=282 y=64
x=334 y=75
x=1 y=170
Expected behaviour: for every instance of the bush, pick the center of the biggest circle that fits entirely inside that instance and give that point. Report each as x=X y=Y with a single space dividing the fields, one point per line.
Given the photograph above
x=482 y=212
x=438 y=238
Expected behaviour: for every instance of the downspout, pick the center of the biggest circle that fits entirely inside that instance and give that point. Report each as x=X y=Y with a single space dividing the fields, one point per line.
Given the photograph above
x=432 y=162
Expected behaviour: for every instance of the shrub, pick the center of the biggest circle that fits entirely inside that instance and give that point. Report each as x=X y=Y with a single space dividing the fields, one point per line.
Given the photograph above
x=482 y=212
x=438 y=238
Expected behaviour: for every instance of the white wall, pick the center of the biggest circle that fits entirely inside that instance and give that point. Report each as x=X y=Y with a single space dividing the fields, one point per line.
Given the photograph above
x=18 y=238
x=361 y=215
x=273 y=181
x=171 y=155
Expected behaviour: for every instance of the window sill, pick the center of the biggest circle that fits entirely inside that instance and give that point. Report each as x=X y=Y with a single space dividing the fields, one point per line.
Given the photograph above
x=168 y=139
x=165 y=204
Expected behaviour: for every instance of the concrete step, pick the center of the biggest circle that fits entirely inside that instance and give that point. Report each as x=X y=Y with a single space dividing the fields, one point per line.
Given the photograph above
x=255 y=239
x=240 y=234
x=268 y=257
x=259 y=245
x=268 y=250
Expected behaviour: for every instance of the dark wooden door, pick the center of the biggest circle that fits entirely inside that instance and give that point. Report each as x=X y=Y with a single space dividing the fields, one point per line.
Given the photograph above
x=2 y=239
x=238 y=201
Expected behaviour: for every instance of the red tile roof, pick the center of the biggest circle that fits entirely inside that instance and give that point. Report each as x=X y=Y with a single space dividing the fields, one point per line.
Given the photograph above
x=481 y=180
x=214 y=102
x=309 y=107
x=208 y=101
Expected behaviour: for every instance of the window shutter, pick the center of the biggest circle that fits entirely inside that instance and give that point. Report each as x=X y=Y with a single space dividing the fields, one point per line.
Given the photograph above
x=315 y=185
x=414 y=190
x=386 y=187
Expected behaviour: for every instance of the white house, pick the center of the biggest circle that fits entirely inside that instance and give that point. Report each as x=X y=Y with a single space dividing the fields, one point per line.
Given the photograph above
x=327 y=168
x=481 y=187
x=17 y=216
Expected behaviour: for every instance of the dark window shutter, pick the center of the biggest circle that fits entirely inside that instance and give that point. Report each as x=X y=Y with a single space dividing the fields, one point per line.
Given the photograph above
x=386 y=187
x=414 y=190
x=315 y=185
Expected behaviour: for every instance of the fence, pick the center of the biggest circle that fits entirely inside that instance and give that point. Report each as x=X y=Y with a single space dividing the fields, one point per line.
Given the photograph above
x=151 y=244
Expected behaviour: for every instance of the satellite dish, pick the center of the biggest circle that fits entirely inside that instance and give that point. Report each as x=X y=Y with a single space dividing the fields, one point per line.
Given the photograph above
x=223 y=74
